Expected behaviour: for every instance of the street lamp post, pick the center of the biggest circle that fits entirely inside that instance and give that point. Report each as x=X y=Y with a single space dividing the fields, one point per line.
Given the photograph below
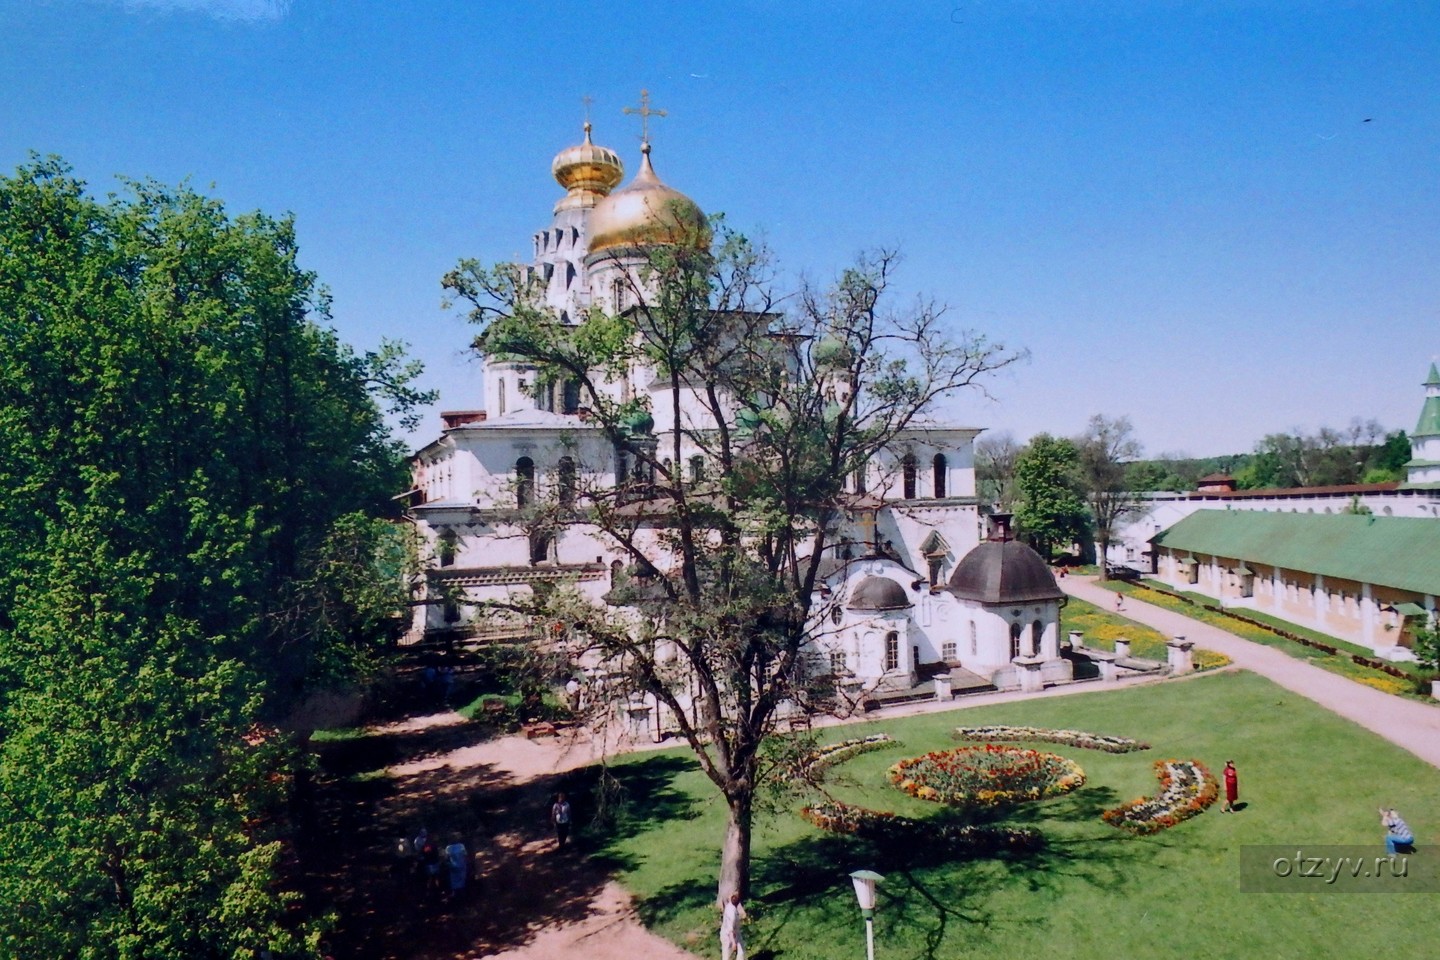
x=865 y=881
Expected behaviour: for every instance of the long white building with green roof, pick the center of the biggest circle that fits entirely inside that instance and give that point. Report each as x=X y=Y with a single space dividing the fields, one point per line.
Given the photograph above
x=1416 y=497
x=1368 y=580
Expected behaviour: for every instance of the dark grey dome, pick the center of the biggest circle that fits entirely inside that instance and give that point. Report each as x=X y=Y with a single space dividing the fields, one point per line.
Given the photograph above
x=1004 y=571
x=878 y=593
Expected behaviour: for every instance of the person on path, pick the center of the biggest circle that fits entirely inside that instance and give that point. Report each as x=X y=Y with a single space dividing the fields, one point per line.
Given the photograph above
x=1397 y=831
x=732 y=935
x=457 y=861
x=1232 y=786
x=1119 y=602
x=430 y=865
x=560 y=819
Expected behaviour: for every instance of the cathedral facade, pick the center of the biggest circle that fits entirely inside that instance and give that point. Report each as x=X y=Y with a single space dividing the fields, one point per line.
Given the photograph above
x=904 y=599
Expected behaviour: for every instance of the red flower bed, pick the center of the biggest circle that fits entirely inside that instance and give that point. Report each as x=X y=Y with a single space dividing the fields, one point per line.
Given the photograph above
x=987 y=776
x=1186 y=789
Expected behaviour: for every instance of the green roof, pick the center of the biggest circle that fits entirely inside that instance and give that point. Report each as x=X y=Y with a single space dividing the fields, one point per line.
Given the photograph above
x=1429 y=424
x=1399 y=552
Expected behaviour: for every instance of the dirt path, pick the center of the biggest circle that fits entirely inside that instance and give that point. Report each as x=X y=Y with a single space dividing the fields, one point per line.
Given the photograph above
x=525 y=901
x=1409 y=724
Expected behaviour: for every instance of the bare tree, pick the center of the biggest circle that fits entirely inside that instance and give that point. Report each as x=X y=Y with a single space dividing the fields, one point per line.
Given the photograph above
x=780 y=409
x=995 y=459
x=1107 y=447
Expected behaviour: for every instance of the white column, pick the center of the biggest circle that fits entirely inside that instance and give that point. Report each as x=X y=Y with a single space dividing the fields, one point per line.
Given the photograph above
x=1180 y=655
x=1367 y=615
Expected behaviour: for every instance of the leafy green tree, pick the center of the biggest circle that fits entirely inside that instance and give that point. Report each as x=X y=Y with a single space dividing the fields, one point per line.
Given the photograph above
x=196 y=468
x=1386 y=461
x=1327 y=457
x=1050 y=505
x=1425 y=641
x=725 y=569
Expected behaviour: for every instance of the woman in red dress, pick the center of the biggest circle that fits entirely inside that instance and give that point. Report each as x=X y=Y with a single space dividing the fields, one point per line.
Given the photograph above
x=1232 y=786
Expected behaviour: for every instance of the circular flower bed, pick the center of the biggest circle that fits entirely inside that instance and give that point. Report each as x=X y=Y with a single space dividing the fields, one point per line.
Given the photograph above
x=1070 y=738
x=832 y=753
x=1186 y=789
x=956 y=839
x=987 y=776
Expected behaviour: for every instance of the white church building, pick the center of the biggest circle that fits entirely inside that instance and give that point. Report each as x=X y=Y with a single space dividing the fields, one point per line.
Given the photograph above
x=911 y=592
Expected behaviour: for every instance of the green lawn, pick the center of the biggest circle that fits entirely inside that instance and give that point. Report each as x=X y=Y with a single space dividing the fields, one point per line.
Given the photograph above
x=1094 y=892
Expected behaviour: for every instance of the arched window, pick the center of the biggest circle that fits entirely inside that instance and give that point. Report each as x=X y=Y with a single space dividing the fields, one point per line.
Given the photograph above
x=1014 y=640
x=617 y=294
x=570 y=396
x=697 y=468
x=622 y=465
x=615 y=567
x=566 y=481
x=939 y=467
x=524 y=482
x=892 y=651
x=908 y=471
x=501 y=388
x=860 y=480
x=974 y=639
x=1037 y=630
x=445 y=551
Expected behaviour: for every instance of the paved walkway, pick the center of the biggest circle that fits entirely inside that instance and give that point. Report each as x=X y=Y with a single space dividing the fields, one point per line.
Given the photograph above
x=1410 y=724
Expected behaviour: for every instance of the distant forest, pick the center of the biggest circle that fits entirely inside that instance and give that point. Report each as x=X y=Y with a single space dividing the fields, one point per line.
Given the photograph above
x=1363 y=452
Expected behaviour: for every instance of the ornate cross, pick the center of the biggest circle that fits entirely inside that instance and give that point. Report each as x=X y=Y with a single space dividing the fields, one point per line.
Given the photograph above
x=587 y=100
x=646 y=112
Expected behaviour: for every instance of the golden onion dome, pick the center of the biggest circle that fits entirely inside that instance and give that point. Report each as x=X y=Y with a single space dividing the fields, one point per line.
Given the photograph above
x=587 y=173
x=646 y=212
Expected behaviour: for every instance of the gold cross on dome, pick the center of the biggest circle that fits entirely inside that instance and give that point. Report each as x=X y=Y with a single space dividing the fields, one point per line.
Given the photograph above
x=646 y=112
x=587 y=100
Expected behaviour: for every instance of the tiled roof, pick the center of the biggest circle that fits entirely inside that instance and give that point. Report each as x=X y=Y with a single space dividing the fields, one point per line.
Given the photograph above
x=1399 y=552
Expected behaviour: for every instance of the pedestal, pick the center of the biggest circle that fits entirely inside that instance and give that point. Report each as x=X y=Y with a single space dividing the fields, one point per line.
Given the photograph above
x=1122 y=649
x=1180 y=655
x=1031 y=680
x=1105 y=662
x=943 y=689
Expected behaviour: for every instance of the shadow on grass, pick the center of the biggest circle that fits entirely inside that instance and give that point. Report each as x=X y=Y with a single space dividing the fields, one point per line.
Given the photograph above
x=378 y=750
x=929 y=888
x=627 y=800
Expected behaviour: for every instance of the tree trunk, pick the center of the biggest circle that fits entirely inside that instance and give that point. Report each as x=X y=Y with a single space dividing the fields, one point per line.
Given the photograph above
x=735 y=854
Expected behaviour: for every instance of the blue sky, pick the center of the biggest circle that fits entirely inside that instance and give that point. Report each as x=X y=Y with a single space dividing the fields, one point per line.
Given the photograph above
x=1220 y=219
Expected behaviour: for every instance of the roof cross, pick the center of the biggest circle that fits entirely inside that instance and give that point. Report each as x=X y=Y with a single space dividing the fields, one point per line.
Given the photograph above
x=646 y=112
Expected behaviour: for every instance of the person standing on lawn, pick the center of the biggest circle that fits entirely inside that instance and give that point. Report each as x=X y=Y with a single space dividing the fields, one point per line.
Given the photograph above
x=1232 y=786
